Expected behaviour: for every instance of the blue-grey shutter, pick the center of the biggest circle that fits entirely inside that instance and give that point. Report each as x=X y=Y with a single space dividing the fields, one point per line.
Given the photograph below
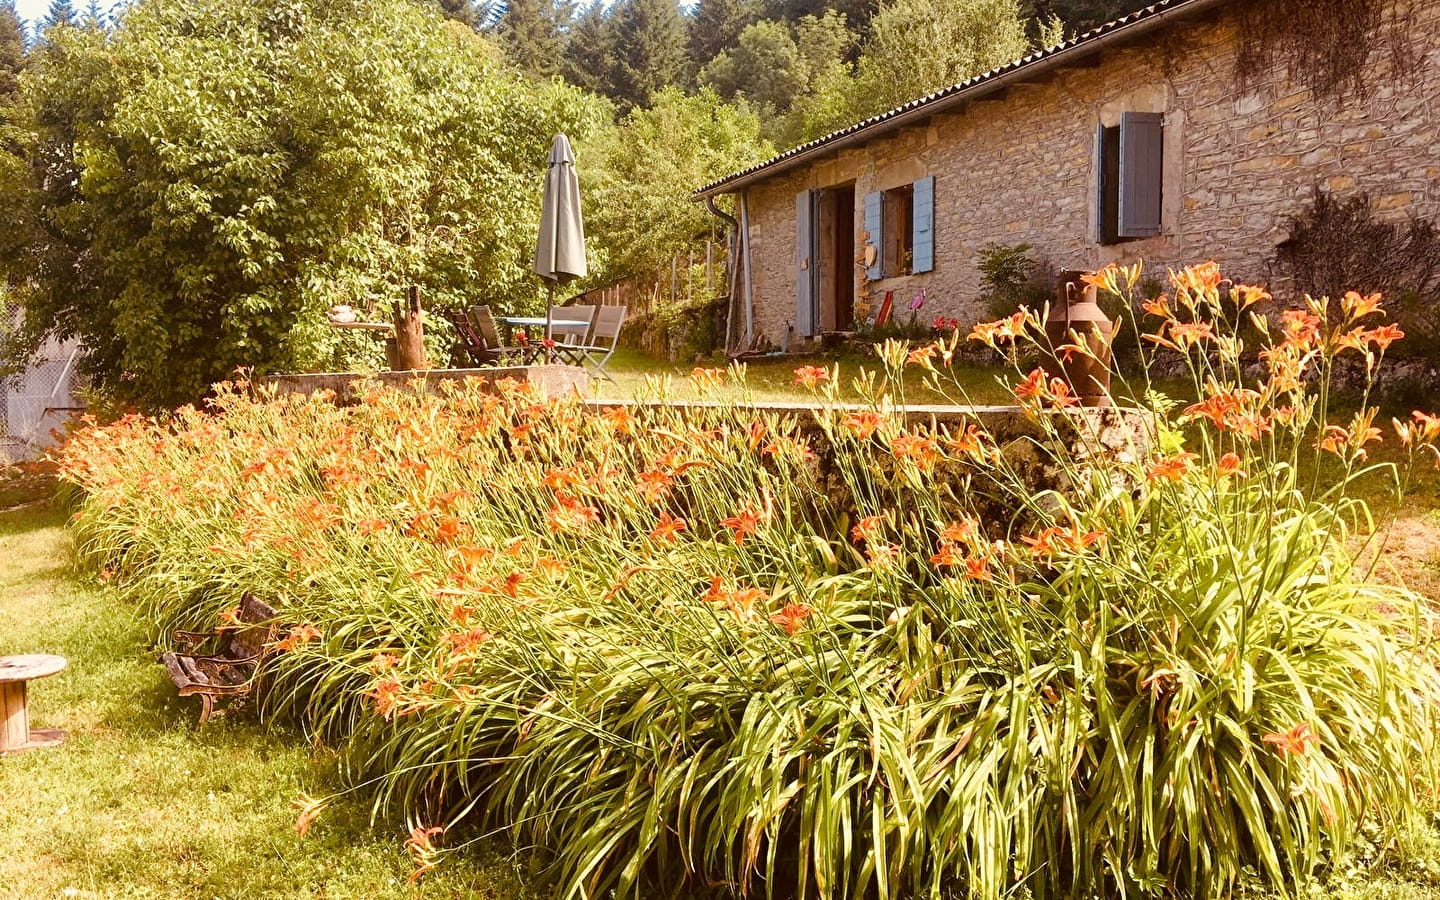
x=805 y=263
x=874 y=218
x=1141 y=167
x=922 y=251
x=1102 y=184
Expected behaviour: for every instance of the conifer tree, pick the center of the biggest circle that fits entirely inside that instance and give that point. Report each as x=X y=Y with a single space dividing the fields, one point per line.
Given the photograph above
x=533 y=34
x=95 y=17
x=590 y=51
x=476 y=15
x=61 y=12
x=12 y=52
x=716 y=27
x=649 y=49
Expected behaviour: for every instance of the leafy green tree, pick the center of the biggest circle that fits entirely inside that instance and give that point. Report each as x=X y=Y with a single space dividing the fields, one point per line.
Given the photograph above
x=95 y=16
x=12 y=52
x=638 y=192
x=857 y=13
x=796 y=77
x=764 y=69
x=716 y=26
x=218 y=173
x=919 y=46
x=1078 y=16
x=649 y=49
x=533 y=34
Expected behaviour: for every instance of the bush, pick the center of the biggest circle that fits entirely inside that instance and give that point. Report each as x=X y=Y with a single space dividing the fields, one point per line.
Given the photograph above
x=665 y=642
x=1010 y=277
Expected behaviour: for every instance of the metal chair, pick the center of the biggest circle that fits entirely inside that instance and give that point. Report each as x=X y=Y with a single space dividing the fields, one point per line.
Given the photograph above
x=470 y=340
x=483 y=323
x=604 y=338
x=574 y=335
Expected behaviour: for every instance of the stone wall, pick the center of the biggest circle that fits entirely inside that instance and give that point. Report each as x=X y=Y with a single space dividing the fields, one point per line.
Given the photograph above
x=1020 y=169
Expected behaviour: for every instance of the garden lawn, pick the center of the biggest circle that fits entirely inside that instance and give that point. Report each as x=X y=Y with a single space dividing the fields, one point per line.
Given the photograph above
x=139 y=804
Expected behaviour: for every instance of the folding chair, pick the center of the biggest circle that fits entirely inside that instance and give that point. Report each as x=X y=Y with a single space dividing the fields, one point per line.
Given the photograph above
x=606 y=328
x=573 y=335
x=470 y=340
x=483 y=323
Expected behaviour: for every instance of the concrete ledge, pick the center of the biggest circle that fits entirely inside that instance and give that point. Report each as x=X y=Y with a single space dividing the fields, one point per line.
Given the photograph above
x=551 y=379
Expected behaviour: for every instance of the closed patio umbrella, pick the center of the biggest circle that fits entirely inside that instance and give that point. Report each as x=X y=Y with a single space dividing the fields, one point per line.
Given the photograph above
x=560 y=252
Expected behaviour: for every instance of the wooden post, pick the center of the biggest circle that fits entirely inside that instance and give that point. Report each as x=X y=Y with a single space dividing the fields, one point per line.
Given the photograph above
x=709 y=265
x=14 y=716
x=409 y=333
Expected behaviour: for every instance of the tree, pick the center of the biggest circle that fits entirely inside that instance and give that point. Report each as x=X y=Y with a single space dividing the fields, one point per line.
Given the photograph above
x=919 y=46
x=590 y=51
x=764 y=68
x=246 y=164
x=649 y=49
x=716 y=26
x=1078 y=16
x=61 y=12
x=469 y=12
x=796 y=77
x=12 y=52
x=857 y=13
x=638 y=190
x=95 y=17
x=533 y=34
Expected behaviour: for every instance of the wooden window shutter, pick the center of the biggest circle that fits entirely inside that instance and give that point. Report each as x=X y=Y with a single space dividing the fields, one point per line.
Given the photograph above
x=805 y=203
x=1141 y=171
x=874 y=221
x=922 y=254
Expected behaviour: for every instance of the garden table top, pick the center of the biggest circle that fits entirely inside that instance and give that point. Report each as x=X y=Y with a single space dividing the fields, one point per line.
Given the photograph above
x=30 y=666
x=539 y=322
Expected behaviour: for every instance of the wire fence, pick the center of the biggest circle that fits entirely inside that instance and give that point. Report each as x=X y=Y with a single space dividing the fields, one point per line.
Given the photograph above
x=38 y=402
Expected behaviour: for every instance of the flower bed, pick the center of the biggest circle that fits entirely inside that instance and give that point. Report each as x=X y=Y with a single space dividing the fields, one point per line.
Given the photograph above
x=649 y=642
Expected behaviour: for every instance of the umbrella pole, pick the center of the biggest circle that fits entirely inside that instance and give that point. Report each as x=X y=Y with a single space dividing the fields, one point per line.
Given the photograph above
x=549 y=338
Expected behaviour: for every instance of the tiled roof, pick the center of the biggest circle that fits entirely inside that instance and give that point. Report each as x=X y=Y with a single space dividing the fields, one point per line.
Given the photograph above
x=1127 y=27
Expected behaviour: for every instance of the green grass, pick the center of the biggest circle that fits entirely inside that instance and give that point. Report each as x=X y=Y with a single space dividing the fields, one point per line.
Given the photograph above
x=139 y=804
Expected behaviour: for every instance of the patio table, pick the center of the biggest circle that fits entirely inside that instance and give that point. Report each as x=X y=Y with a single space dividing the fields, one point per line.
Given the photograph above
x=16 y=736
x=513 y=322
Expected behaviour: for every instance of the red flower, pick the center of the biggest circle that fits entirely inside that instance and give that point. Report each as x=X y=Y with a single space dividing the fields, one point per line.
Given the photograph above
x=868 y=528
x=1033 y=387
x=385 y=692
x=1228 y=465
x=654 y=484
x=1385 y=335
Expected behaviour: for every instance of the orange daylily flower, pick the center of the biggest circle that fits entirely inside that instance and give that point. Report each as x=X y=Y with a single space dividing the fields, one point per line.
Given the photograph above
x=991 y=333
x=744 y=524
x=921 y=450
x=863 y=423
x=868 y=528
x=1384 y=336
x=949 y=554
x=811 y=376
x=1170 y=468
x=1160 y=307
x=310 y=810
x=421 y=850
x=299 y=634
x=977 y=568
x=1032 y=387
x=961 y=531
x=620 y=420
x=789 y=448
x=1229 y=465
x=569 y=514
x=1293 y=741
x=1355 y=306
x=668 y=528
x=550 y=568
x=654 y=484
x=385 y=692
x=792 y=616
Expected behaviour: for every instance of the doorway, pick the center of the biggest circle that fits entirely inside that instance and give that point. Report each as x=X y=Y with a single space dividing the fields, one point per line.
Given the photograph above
x=837 y=257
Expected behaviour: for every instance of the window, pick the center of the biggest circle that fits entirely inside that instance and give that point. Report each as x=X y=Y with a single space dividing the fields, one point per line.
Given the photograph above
x=1129 y=162
x=901 y=226
x=898 y=230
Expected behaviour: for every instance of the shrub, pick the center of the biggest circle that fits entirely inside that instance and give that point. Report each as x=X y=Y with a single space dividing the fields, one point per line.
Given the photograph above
x=665 y=642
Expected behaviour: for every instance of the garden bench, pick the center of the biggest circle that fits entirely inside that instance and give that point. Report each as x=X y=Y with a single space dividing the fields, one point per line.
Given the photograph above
x=230 y=670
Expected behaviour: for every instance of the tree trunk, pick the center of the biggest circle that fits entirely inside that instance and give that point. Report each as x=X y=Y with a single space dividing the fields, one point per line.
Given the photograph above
x=409 y=333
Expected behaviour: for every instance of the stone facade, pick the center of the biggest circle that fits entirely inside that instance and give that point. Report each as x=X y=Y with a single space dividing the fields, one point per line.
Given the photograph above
x=1021 y=168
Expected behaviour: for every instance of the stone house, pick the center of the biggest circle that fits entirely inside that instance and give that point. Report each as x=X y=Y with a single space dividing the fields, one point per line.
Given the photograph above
x=1141 y=140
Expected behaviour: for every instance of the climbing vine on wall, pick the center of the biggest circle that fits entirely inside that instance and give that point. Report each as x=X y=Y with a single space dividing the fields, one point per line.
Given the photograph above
x=1325 y=45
